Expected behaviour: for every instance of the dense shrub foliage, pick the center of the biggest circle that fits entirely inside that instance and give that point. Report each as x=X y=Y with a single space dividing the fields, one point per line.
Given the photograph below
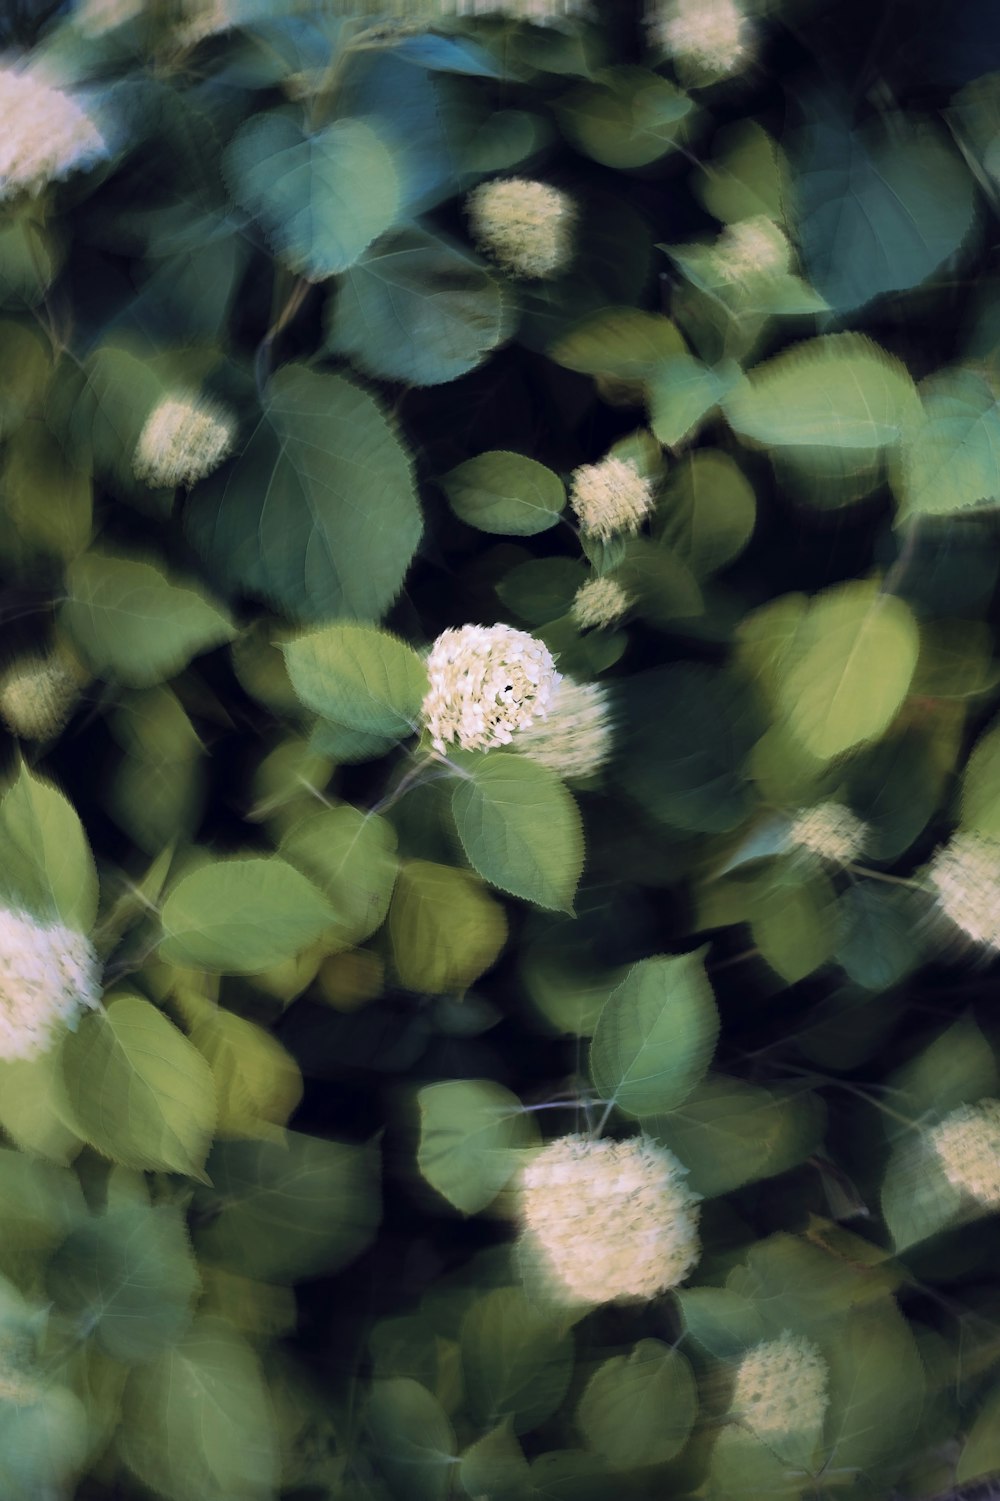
x=500 y=839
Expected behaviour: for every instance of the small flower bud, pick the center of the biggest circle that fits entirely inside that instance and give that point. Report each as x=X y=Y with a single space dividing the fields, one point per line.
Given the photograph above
x=610 y=498
x=781 y=1388
x=38 y=695
x=967 y=1143
x=526 y=226
x=831 y=831
x=184 y=439
x=965 y=874
x=599 y=602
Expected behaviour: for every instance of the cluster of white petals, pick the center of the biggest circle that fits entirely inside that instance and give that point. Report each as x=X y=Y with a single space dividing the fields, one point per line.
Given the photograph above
x=49 y=975
x=487 y=682
x=95 y=17
x=19 y=1373
x=575 y=737
x=44 y=134
x=38 y=694
x=781 y=1387
x=712 y=34
x=965 y=874
x=610 y=498
x=967 y=1143
x=525 y=226
x=599 y=602
x=184 y=439
x=753 y=249
x=831 y=831
x=604 y=1220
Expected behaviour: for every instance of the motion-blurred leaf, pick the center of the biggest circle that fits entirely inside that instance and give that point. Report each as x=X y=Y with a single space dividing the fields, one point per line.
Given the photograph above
x=471 y=1131
x=505 y=492
x=242 y=915
x=638 y=1409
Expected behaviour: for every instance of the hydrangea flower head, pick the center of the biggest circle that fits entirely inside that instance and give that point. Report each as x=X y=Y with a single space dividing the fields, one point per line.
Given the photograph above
x=38 y=694
x=44 y=134
x=184 y=439
x=711 y=34
x=831 y=831
x=575 y=737
x=524 y=225
x=781 y=1387
x=607 y=1220
x=965 y=875
x=599 y=602
x=967 y=1143
x=610 y=498
x=49 y=975
x=487 y=682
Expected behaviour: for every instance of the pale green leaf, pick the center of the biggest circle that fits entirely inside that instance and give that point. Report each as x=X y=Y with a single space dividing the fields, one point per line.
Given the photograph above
x=257 y=1083
x=638 y=1409
x=521 y=830
x=951 y=458
x=413 y=1439
x=495 y=1466
x=625 y=117
x=358 y=676
x=981 y=1452
x=47 y=866
x=351 y=857
x=505 y=492
x=981 y=785
x=517 y=1360
x=625 y=342
x=43 y=1445
x=794 y=921
x=39 y=1203
x=444 y=929
x=471 y=1133
x=721 y=1319
x=708 y=511
x=681 y=392
x=748 y=175
x=876 y=1387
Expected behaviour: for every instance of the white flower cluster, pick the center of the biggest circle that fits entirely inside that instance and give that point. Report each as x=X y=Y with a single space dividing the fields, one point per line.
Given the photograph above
x=575 y=738
x=486 y=682
x=184 y=439
x=753 y=249
x=18 y=1368
x=526 y=226
x=95 y=17
x=831 y=831
x=967 y=1143
x=44 y=134
x=610 y=498
x=599 y=602
x=38 y=694
x=711 y=34
x=965 y=874
x=49 y=975
x=781 y=1387
x=603 y=1220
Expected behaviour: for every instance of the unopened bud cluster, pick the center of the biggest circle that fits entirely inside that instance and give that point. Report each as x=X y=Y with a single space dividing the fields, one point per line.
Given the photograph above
x=831 y=831
x=965 y=876
x=38 y=695
x=599 y=602
x=607 y=1220
x=525 y=226
x=49 y=975
x=967 y=1143
x=574 y=739
x=781 y=1387
x=753 y=250
x=610 y=498
x=184 y=439
x=487 y=683
x=710 y=34
x=44 y=134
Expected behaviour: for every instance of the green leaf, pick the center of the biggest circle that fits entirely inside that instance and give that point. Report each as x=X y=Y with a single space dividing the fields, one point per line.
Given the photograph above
x=656 y=1035
x=471 y=1133
x=879 y=936
x=418 y=309
x=444 y=929
x=638 y=1409
x=351 y=857
x=39 y=1204
x=132 y=624
x=660 y=584
x=837 y=391
x=794 y=921
x=29 y=1107
x=708 y=511
x=626 y=117
x=158 y=792
x=981 y=785
x=543 y=589
x=832 y=695
x=505 y=492
x=521 y=830
x=880 y=207
x=681 y=392
x=413 y=1439
x=495 y=1465
x=917 y=1199
x=129 y=1276
x=47 y=497
x=981 y=1452
x=876 y=1387
x=29 y=256
x=319 y=515
x=625 y=342
x=321 y=199
x=43 y=1445
x=358 y=676
x=957 y=1068
x=283 y=1210
x=257 y=1083
x=242 y=915
x=47 y=868
x=741 y=1468
x=138 y=1091
x=722 y=1320
x=197 y=1424
x=517 y=1360
x=748 y=175
x=951 y=458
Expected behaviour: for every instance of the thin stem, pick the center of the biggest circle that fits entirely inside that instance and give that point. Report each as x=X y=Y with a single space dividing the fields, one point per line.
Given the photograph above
x=603 y=1120
x=410 y=780
x=890 y=584
x=879 y=875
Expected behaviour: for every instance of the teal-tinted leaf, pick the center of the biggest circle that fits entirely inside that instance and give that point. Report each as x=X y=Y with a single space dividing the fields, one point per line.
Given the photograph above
x=242 y=915
x=197 y=1423
x=471 y=1131
x=638 y=1409
x=681 y=392
x=138 y=1091
x=543 y=589
x=505 y=492
x=133 y=624
x=39 y=1204
x=43 y=1444
x=722 y=1320
x=981 y=1452
x=282 y=1210
x=521 y=830
x=661 y=586
x=418 y=309
x=129 y=1277
x=517 y=1360
x=625 y=117
x=879 y=943
x=319 y=515
x=321 y=199
x=770 y=836
x=413 y=1439
x=351 y=857
x=47 y=867
x=951 y=459
x=708 y=511
x=358 y=676
x=656 y=1035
